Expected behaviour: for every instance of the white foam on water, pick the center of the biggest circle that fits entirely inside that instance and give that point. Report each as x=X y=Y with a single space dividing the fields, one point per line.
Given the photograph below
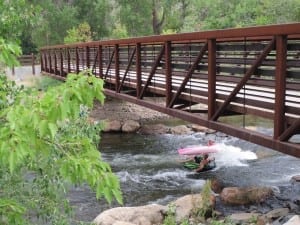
x=228 y=156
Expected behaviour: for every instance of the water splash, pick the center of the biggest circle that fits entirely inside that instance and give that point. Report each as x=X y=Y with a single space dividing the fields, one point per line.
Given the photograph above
x=228 y=155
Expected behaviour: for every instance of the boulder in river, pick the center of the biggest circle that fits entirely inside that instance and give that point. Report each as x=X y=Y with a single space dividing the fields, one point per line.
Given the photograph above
x=154 y=129
x=180 y=130
x=242 y=218
x=112 y=126
x=130 y=126
x=245 y=196
x=186 y=205
x=295 y=179
x=146 y=215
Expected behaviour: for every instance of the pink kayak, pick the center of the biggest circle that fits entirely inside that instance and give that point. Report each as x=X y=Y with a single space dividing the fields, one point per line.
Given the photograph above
x=197 y=150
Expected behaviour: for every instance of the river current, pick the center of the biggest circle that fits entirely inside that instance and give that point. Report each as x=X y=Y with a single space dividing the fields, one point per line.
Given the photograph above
x=150 y=172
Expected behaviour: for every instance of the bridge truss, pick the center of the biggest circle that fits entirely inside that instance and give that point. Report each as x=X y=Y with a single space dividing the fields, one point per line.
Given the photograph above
x=203 y=77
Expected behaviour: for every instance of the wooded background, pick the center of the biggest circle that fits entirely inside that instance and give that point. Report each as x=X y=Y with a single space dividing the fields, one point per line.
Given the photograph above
x=50 y=22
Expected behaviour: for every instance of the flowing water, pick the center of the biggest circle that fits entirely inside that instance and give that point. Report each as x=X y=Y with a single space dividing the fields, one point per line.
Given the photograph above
x=150 y=171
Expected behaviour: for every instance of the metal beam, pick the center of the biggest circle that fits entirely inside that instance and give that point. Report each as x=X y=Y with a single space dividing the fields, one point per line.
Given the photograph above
x=211 y=100
x=127 y=68
x=188 y=75
x=152 y=72
x=244 y=80
x=280 y=86
x=168 y=72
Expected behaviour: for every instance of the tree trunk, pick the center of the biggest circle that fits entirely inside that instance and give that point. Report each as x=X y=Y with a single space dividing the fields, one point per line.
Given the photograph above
x=156 y=22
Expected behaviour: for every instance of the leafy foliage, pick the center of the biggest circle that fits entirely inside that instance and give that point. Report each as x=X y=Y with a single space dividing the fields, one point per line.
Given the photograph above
x=39 y=23
x=170 y=218
x=46 y=143
x=9 y=52
x=82 y=33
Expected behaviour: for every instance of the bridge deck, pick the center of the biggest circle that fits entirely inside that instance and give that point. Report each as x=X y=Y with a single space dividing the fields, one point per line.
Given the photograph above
x=203 y=76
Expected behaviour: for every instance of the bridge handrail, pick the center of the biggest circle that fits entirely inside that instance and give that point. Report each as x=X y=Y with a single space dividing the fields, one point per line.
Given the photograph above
x=235 y=34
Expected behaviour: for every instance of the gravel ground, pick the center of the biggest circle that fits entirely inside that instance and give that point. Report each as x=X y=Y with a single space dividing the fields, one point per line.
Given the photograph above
x=115 y=109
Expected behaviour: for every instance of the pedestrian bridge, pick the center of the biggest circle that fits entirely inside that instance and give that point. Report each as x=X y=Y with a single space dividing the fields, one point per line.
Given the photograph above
x=204 y=77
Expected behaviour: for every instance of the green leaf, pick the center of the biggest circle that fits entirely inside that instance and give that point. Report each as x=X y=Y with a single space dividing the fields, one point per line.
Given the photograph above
x=53 y=129
x=43 y=127
x=12 y=161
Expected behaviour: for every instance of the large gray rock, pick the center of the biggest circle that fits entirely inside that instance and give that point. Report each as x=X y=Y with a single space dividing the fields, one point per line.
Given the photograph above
x=187 y=204
x=130 y=126
x=242 y=218
x=154 y=129
x=122 y=223
x=112 y=126
x=276 y=213
x=198 y=128
x=295 y=179
x=142 y=215
x=180 y=130
x=244 y=196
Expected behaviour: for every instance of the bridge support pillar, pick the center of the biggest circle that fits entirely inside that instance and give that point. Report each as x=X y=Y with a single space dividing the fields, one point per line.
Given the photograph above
x=211 y=78
x=168 y=72
x=280 y=83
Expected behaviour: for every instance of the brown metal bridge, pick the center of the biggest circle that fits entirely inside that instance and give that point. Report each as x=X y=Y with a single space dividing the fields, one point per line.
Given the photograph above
x=203 y=77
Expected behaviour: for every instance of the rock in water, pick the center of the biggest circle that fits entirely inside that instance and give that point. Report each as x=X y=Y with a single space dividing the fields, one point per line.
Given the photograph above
x=245 y=196
x=146 y=215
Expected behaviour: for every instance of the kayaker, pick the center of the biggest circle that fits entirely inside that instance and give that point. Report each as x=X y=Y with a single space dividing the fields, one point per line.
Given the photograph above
x=210 y=143
x=203 y=163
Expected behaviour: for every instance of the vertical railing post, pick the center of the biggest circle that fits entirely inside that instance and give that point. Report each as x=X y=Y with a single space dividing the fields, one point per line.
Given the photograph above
x=100 y=61
x=211 y=78
x=87 y=57
x=77 y=60
x=168 y=72
x=61 y=62
x=50 y=61
x=33 y=63
x=55 y=63
x=45 y=61
x=138 y=70
x=42 y=61
x=68 y=61
x=280 y=85
x=117 y=70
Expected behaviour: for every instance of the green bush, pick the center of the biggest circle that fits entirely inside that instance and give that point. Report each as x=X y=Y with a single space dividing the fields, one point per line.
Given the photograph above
x=48 y=144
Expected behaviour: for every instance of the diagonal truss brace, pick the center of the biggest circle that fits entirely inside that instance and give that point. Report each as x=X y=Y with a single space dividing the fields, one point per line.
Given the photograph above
x=244 y=80
x=288 y=133
x=189 y=74
x=127 y=69
x=153 y=69
x=109 y=64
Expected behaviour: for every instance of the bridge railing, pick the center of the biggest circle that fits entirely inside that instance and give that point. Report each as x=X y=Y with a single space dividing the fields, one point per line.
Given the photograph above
x=252 y=70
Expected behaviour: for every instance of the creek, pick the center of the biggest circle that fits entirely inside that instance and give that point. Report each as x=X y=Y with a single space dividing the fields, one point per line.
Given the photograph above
x=149 y=171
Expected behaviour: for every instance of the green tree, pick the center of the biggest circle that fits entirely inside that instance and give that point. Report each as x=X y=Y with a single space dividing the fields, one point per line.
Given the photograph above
x=136 y=16
x=82 y=33
x=119 y=31
x=46 y=144
x=219 y=14
x=97 y=14
x=16 y=16
x=55 y=18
